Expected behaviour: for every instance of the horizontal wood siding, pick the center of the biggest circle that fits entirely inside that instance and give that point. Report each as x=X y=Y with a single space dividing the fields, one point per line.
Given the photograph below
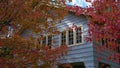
x=84 y=52
x=103 y=56
x=77 y=53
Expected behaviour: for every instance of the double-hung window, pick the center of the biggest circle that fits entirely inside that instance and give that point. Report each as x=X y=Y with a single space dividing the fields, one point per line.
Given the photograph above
x=105 y=42
x=78 y=35
x=47 y=40
x=71 y=37
x=63 y=38
x=44 y=41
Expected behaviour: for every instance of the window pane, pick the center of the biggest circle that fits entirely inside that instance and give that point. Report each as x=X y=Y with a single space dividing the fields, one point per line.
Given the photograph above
x=105 y=42
x=63 y=38
x=70 y=37
x=118 y=49
x=49 y=40
x=78 y=36
x=44 y=41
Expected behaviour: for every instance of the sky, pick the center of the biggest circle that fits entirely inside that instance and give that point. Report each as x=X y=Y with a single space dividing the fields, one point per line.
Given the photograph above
x=81 y=3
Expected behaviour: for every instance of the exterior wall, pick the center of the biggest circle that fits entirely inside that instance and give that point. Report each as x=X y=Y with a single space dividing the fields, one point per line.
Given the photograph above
x=78 y=53
x=103 y=58
x=85 y=52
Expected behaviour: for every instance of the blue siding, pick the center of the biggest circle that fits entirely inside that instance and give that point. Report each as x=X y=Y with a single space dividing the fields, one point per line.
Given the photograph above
x=78 y=53
x=104 y=55
x=84 y=52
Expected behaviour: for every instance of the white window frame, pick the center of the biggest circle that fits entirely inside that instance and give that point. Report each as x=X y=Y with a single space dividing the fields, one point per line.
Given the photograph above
x=73 y=38
x=51 y=39
x=42 y=40
x=82 y=35
x=47 y=40
x=61 y=38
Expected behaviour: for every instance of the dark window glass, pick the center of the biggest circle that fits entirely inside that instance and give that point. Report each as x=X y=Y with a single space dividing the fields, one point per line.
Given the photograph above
x=105 y=42
x=49 y=40
x=78 y=36
x=73 y=65
x=118 y=49
x=104 y=65
x=63 y=38
x=44 y=41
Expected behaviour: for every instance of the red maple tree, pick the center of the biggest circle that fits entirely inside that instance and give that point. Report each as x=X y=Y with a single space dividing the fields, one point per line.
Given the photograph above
x=36 y=16
x=104 y=25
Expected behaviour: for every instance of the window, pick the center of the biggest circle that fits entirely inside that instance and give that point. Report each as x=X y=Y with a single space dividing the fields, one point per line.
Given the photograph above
x=104 y=65
x=71 y=37
x=78 y=35
x=78 y=65
x=44 y=41
x=73 y=65
x=105 y=42
x=47 y=40
x=63 y=38
x=118 y=47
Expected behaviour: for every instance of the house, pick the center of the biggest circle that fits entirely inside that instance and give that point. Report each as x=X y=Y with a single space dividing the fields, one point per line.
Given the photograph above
x=82 y=54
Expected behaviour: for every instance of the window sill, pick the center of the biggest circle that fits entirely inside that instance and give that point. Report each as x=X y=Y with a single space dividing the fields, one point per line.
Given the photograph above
x=78 y=44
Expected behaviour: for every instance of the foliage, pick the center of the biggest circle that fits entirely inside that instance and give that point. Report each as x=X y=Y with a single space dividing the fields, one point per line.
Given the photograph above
x=104 y=25
x=37 y=16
